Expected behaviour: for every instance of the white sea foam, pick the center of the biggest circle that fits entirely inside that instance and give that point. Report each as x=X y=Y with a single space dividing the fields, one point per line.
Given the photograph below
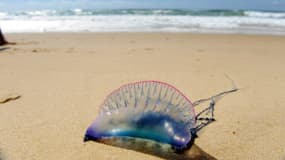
x=2 y=14
x=79 y=20
x=264 y=14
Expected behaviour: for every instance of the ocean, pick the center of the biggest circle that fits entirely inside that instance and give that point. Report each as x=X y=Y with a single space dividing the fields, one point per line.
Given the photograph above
x=144 y=20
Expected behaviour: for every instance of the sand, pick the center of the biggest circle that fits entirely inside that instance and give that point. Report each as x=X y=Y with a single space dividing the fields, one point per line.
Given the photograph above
x=63 y=78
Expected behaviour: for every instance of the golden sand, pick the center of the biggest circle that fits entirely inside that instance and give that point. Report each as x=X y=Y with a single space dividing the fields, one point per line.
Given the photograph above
x=63 y=78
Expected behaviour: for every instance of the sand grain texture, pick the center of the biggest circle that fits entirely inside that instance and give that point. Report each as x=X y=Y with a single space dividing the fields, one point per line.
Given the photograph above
x=65 y=77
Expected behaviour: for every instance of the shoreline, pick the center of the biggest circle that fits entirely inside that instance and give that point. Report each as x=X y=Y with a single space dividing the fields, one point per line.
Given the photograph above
x=150 y=32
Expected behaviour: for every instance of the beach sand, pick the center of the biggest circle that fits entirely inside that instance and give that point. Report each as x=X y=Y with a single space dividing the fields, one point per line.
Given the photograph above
x=63 y=78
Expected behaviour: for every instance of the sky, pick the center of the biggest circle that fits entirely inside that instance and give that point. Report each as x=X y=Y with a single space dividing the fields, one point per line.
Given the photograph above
x=12 y=5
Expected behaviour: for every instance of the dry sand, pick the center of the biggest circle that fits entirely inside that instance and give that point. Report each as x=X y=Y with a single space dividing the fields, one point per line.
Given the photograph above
x=64 y=77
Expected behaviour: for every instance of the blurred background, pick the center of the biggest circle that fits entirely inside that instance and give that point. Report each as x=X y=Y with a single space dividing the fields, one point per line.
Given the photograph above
x=218 y=16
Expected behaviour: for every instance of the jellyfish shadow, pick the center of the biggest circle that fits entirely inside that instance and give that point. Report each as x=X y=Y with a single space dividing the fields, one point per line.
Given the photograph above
x=193 y=152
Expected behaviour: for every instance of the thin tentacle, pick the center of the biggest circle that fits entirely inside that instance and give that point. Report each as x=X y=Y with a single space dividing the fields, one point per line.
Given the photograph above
x=204 y=121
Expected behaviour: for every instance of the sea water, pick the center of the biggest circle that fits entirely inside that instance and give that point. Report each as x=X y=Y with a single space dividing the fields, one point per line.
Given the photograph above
x=144 y=20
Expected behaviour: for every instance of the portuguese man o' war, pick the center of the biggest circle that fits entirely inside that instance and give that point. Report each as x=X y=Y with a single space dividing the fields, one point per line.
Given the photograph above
x=150 y=111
